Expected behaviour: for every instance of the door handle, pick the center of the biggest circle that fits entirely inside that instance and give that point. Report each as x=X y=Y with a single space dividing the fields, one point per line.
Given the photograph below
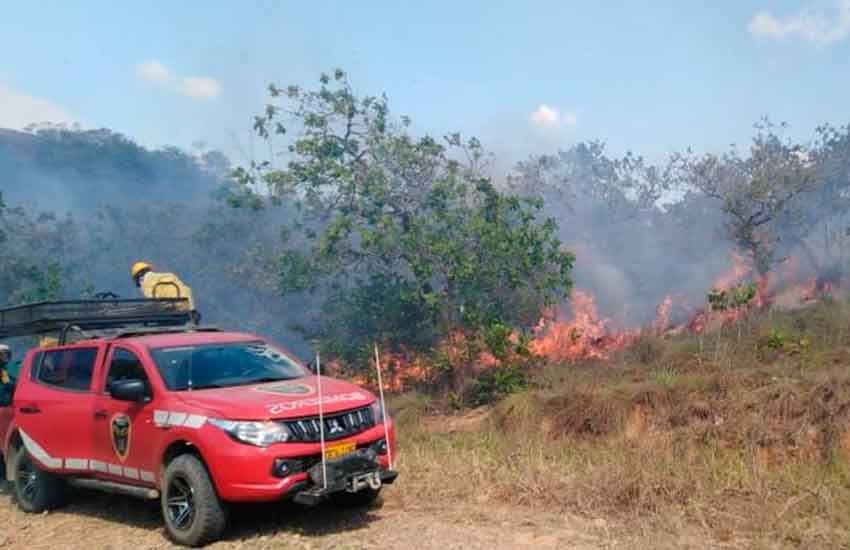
x=101 y=414
x=30 y=409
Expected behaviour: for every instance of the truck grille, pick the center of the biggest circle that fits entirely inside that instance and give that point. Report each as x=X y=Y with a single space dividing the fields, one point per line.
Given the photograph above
x=337 y=425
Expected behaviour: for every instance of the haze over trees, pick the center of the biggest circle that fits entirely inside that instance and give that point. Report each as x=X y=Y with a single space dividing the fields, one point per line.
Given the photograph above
x=358 y=230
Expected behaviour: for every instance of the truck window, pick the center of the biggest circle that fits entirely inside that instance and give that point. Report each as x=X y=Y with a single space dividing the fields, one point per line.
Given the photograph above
x=67 y=369
x=224 y=365
x=125 y=366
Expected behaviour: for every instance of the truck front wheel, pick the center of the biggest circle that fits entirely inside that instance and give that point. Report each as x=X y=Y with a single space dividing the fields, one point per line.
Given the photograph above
x=194 y=515
x=35 y=489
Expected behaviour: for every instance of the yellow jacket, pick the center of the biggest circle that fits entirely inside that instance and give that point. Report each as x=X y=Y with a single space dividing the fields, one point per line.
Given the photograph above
x=166 y=285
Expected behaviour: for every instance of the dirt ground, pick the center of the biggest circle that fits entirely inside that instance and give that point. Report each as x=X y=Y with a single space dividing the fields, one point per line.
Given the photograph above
x=98 y=521
x=94 y=520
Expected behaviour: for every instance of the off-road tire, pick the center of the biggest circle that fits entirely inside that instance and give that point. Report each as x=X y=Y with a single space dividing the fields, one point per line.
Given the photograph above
x=361 y=499
x=208 y=516
x=5 y=486
x=35 y=490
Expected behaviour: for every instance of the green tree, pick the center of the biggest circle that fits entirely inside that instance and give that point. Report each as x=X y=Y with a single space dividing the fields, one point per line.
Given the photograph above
x=403 y=239
x=37 y=255
x=761 y=194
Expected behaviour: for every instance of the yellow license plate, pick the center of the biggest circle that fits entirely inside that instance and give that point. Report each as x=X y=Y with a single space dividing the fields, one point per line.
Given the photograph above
x=337 y=451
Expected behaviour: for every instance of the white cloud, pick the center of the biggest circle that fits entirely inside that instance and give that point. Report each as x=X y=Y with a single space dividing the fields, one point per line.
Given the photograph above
x=196 y=87
x=810 y=25
x=18 y=110
x=200 y=87
x=153 y=71
x=549 y=117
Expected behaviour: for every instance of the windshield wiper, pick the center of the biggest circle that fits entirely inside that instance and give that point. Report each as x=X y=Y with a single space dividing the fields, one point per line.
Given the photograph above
x=266 y=379
x=205 y=387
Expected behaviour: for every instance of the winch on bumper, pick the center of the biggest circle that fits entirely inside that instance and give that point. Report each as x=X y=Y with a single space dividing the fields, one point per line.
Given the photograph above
x=355 y=472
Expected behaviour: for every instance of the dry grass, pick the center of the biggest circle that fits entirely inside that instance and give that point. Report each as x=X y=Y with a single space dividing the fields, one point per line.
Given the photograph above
x=746 y=439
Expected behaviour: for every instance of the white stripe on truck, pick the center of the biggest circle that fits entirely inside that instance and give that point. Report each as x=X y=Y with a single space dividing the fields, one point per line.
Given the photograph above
x=84 y=464
x=167 y=419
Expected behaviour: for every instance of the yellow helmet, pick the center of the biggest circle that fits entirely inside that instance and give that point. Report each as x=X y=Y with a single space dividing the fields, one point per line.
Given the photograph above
x=48 y=341
x=139 y=268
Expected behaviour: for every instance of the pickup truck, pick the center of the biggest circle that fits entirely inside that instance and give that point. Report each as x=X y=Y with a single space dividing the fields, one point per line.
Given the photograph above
x=196 y=419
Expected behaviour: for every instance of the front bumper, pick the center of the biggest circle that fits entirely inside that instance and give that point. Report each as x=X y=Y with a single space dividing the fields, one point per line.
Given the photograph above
x=243 y=473
x=315 y=495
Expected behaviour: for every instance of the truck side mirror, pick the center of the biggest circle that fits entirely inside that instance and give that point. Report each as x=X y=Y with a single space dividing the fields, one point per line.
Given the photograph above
x=132 y=390
x=311 y=366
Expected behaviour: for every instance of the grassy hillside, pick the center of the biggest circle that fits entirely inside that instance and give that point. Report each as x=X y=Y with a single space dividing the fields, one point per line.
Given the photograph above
x=744 y=439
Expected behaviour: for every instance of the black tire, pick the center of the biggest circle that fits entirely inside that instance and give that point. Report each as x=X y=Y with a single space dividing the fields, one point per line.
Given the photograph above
x=35 y=490
x=5 y=486
x=361 y=499
x=193 y=513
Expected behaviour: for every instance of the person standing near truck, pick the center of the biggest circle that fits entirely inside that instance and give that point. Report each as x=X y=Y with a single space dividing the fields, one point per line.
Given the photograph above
x=6 y=381
x=5 y=358
x=162 y=285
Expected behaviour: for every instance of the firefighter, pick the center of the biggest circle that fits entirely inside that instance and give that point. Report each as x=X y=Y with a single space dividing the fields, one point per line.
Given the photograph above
x=48 y=342
x=162 y=285
x=7 y=386
x=5 y=358
x=8 y=373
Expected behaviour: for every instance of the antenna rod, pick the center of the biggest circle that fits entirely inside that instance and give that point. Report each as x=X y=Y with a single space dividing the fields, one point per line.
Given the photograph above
x=384 y=409
x=321 y=420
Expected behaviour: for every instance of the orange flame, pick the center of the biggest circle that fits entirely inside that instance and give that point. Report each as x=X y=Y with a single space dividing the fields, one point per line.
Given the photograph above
x=586 y=336
x=741 y=267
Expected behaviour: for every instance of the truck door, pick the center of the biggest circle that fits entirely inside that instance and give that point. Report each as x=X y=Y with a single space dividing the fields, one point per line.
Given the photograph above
x=53 y=409
x=125 y=438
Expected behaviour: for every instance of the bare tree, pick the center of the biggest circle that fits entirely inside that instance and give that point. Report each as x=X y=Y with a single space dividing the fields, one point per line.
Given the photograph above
x=758 y=193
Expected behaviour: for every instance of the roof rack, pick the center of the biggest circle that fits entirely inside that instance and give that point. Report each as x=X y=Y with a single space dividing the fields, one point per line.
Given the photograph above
x=145 y=331
x=44 y=318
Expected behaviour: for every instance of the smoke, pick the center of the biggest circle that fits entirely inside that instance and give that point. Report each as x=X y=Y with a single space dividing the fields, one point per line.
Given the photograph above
x=641 y=236
x=94 y=202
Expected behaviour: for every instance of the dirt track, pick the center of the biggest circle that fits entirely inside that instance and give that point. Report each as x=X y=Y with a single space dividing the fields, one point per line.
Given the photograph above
x=95 y=521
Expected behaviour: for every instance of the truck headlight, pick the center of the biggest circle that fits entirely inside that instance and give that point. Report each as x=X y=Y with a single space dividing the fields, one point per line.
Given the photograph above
x=260 y=434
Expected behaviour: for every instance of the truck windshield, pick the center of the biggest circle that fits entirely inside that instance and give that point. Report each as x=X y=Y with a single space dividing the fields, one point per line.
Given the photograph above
x=207 y=366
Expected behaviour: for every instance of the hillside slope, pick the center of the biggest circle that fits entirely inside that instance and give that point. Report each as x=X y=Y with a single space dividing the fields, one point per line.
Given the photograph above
x=742 y=439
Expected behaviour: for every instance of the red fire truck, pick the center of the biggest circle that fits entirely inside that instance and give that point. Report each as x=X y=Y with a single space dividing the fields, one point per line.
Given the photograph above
x=135 y=399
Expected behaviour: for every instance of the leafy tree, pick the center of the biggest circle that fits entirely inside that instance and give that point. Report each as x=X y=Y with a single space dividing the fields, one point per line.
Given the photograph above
x=404 y=238
x=759 y=194
x=37 y=255
x=585 y=173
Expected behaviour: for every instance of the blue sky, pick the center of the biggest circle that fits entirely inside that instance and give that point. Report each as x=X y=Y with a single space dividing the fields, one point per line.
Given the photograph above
x=523 y=76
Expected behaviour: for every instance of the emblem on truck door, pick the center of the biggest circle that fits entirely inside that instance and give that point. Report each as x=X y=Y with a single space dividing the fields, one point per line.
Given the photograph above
x=121 y=429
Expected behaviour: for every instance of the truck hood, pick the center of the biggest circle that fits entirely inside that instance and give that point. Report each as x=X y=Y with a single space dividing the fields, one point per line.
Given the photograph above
x=290 y=399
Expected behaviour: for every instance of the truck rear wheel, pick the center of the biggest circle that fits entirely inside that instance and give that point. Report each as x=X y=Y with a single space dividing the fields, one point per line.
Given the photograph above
x=35 y=489
x=194 y=515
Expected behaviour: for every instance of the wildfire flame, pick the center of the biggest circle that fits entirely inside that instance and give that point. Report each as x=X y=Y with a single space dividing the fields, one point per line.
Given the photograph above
x=585 y=335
